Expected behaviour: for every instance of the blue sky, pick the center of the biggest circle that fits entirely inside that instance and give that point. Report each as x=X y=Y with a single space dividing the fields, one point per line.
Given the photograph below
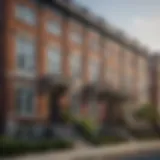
x=139 y=18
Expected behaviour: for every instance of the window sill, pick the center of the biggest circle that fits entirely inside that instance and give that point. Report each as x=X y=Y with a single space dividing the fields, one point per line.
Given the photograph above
x=23 y=74
x=25 y=117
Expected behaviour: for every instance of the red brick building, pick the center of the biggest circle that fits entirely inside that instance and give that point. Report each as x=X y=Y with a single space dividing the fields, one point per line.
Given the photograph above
x=154 y=80
x=40 y=37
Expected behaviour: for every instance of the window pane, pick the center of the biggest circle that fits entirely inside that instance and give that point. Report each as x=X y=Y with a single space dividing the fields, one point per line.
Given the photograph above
x=29 y=101
x=19 y=101
x=76 y=37
x=94 y=45
x=75 y=64
x=25 y=101
x=54 y=27
x=54 y=60
x=25 y=55
x=26 y=14
x=20 y=61
x=94 y=70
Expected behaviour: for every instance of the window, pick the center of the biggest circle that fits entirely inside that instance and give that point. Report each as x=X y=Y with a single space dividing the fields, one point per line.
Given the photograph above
x=54 y=27
x=94 y=45
x=25 y=54
x=75 y=64
x=54 y=60
x=109 y=74
x=94 y=70
x=25 y=14
x=106 y=54
x=25 y=101
x=76 y=37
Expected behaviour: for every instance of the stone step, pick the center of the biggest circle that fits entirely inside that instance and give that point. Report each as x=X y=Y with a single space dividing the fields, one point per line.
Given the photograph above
x=81 y=144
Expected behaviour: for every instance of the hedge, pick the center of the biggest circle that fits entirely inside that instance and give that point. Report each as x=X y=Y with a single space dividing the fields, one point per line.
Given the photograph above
x=11 y=147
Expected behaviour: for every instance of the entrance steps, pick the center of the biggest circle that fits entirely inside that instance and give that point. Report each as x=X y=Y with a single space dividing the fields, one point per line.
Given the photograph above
x=125 y=134
x=80 y=144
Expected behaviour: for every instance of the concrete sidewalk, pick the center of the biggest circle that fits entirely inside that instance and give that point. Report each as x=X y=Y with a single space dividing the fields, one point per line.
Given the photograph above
x=96 y=153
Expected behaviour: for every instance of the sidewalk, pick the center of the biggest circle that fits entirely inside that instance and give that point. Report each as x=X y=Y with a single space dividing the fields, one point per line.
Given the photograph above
x=96 y=153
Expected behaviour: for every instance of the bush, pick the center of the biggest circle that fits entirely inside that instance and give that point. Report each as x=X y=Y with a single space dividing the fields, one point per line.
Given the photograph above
x=110 y=140
x=10 y=147
x=147 y=112
x=67 y=117
x=88 y=131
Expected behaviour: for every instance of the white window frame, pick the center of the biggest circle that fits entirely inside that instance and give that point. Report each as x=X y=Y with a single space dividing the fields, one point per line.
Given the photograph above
x=26 y=70
x=21 y=10
x=23 y=112
x=51 y=60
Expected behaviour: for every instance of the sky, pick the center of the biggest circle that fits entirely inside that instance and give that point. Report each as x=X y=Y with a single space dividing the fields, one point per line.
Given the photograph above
x=138 y=18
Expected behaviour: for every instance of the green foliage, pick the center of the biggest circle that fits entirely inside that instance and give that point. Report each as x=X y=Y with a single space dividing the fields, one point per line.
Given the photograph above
x=68 y=117
x=87 y=123
x=110 y=140
x=11 y=147
x=147 y=112
x=88 y=131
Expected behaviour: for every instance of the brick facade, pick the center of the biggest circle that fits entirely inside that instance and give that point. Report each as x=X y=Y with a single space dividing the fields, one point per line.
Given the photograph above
x=117 y=60
x=154 y=80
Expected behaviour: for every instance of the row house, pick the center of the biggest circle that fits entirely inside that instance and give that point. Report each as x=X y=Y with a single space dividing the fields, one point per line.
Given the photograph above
x=40 y=38
x=154 y=80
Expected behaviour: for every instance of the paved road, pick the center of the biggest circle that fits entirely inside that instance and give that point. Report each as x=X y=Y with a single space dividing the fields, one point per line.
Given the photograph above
x=104 y=152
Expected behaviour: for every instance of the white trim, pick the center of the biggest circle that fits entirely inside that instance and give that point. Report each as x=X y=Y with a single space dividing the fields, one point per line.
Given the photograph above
x=22 y=74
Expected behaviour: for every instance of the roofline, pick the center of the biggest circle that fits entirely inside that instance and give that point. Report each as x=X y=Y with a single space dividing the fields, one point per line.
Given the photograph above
x=100 y=24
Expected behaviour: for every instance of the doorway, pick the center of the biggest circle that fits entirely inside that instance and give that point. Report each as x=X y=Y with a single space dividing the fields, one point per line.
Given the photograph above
x=55 y=109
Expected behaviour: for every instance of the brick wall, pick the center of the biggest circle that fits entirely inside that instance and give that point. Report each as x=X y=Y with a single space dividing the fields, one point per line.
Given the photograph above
x=107 y=53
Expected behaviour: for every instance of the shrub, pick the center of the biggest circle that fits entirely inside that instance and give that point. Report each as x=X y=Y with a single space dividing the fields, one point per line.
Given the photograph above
x=88 y=131
x=110 y=140
x=11 y=147
x=147 y=112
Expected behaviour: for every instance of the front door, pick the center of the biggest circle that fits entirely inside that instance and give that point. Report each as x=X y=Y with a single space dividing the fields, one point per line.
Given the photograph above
x=54 y=108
